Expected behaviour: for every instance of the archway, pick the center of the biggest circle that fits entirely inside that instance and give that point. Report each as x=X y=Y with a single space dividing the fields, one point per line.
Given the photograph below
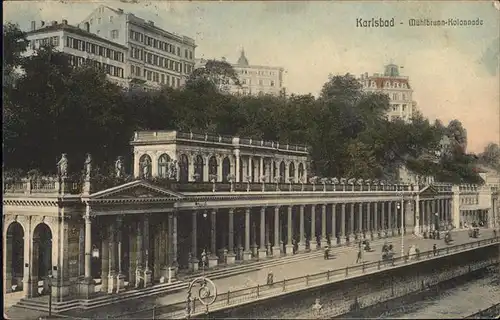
x=212 y=167
x=226 y=169
x=42 y=257
x=183 y=168
x=145 y=166
x=198 y=168
x=291 y=171
x=14 y=265
x=163 y=162
x=301 y=170
x=282 y=171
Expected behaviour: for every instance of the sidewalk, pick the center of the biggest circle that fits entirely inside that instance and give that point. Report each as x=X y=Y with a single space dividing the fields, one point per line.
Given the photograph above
x=340 y=257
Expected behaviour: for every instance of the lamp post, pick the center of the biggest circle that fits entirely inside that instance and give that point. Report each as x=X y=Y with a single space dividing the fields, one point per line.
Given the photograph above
x=400 y=206
x=207 y=293
x=50 y=293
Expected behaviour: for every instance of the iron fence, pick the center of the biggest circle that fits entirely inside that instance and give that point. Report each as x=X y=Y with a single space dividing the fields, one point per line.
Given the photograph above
x=240 y=296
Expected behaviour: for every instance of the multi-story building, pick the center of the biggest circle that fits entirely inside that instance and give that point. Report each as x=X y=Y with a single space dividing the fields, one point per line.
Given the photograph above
x=155 y=57
x=254 y=79
x=81 y=45
x=398 y=89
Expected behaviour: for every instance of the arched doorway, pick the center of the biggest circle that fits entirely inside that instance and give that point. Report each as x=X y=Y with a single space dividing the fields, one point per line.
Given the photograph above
x=212 y=167
x=183 y=168
x=14 y=264
x=42 y=258
x=226 y=169
x=145 y=166
x=198 y=168
x=291 y=171
x=282 y=171
x=163 y=162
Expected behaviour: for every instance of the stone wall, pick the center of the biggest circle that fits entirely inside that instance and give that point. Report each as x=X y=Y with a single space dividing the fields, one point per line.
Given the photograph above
x=338 y=298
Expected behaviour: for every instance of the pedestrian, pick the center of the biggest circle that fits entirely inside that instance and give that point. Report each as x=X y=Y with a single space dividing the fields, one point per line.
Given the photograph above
x=434 y=249
x=327 y=253
x=360 y=256
x=270 y=278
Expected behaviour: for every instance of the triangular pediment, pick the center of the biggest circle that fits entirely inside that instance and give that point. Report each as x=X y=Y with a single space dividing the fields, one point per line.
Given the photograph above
x=135 y=189
x=428 y=191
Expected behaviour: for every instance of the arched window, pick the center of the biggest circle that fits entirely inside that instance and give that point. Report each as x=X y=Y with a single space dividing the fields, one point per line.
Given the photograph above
x=226 y=169
x=198 y=168
x=212 y=166
x=301 y=170
x=145 y=166
x=282 y=171
x=183 y=168
x=291 y=170
x=163 y=162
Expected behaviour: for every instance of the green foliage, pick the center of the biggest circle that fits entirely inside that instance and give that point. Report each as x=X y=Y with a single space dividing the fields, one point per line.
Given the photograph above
x=55 y=108
x=491 y=156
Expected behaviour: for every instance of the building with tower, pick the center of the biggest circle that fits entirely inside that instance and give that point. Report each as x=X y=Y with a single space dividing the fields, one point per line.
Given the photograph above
x=397 y=87
x=254 y=79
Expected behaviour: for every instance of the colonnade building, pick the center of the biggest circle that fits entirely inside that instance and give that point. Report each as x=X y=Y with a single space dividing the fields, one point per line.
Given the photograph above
x=192 y=193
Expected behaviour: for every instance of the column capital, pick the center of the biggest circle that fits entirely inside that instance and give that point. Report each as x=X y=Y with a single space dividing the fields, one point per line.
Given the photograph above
x=214 y=211
x=263 y=208
x=247 y=210
x=277 y=208
x=231 y=210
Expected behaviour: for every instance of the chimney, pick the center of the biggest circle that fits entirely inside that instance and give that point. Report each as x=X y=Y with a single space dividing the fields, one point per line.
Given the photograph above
x=33 y=25
x=87 y=26
x=54 y=23
x=65 y=22
x=42 y=23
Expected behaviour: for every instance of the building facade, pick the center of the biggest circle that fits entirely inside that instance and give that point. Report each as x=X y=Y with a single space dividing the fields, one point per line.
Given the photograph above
x=254 y=79
x=397 y=87
x=81 y=45
x=155 y=57
x=139 y=232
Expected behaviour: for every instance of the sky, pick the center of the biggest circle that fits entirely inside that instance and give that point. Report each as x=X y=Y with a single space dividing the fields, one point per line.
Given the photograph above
x=454 y=71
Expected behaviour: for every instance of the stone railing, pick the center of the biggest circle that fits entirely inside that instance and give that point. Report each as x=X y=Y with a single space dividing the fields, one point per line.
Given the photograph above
x=277 y=187
x=234 y=298
x=42 y=185
x=145 y=136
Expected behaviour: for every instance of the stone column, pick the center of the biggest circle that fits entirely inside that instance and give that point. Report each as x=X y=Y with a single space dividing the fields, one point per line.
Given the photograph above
x=139 y=274
x=376 y=220
x=302 y=240
x=333 y=236
x=194 y=262
x=416 y=229
x=287 y=172
x=191 y=168
x=104 y=260
x=388 y=226
x=369 y=220
x=247 y=254
x=112 y=258
x=231 y=257
x=220 y=177
x=343 y=236
x=361 y=233
x=172 y=231
x=296 y=173
x=261 y=169
x=313 y=242
x=262 y=234
x=428 y=215
x=162 y=250
x=213 y=259
x=289 y=245
x=276 y=244
x=120 y=278
x=351 y=223
x=238 y=165
x=88 y=284
x=250 y=167
x=132 y=252
x=147 y=272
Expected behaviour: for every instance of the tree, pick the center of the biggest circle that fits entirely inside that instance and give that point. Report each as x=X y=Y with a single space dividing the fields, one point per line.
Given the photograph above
x=457 y=134
x=491 y=156
x=217 y=74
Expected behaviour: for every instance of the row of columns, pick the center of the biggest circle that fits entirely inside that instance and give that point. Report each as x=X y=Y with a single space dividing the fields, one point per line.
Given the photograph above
x=377 y=219
x=140 y=273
